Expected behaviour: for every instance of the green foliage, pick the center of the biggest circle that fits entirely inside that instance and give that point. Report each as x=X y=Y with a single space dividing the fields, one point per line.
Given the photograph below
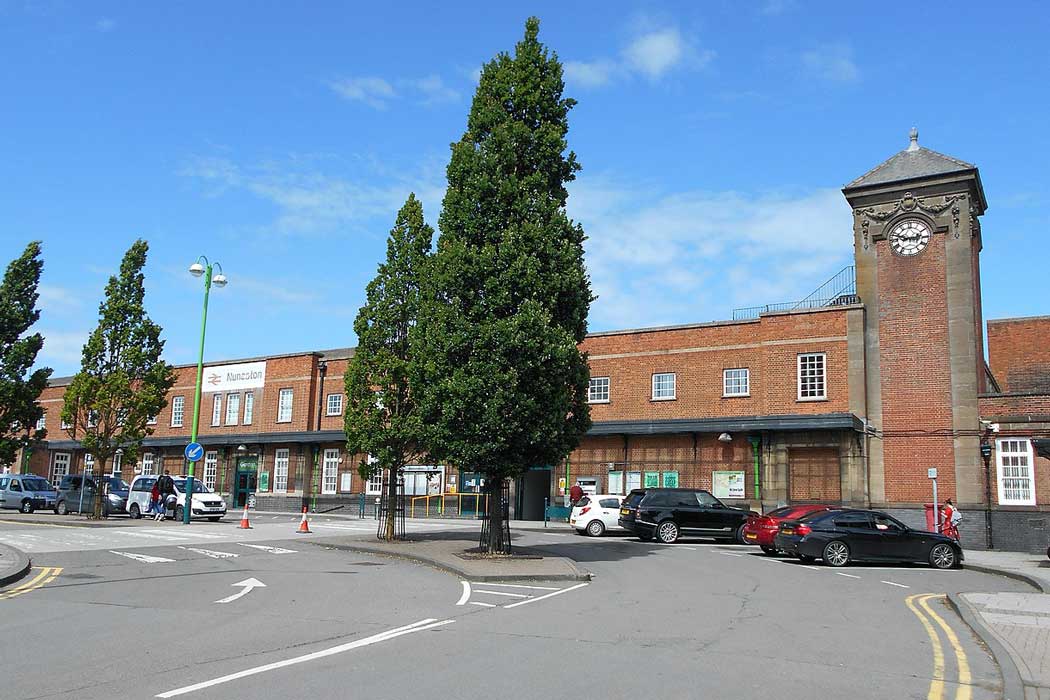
x=122 y=381
x=381 y=417
x=500 y=380
x=19 y=389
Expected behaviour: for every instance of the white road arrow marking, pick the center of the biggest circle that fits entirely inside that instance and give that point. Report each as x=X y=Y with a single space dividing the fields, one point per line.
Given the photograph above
x=248 y=584
x=211 y=553
x=268 y=548
x=145 y=558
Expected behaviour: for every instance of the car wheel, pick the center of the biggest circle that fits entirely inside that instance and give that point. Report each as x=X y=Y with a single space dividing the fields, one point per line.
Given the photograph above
x=27 y=506
x=806 y=559
x=596 y=528
x=62 y=508
x=134 y=511
x=942 y=556
x=178 y=513
x=214 y=518
x=836 y=553
x=667 y=532
x=771 y=551
x=740 y=535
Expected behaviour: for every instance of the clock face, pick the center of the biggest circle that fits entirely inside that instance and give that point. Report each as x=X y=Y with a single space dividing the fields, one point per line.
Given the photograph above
x=909 y=237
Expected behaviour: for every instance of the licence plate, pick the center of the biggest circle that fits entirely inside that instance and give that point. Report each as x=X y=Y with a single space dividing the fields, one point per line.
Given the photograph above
x=750 y=536
x=624 y=511
x=787 y=531
x=573 y=521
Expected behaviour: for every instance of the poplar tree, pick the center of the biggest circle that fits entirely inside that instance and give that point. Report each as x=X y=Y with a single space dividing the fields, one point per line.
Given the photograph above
x=382 y=419
x=122 y=382
x=20 y=389
x=497 y=370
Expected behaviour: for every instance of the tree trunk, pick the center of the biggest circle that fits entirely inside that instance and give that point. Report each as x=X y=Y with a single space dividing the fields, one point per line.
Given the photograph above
x=96 y=509
x=391 y=504
x=496 y=543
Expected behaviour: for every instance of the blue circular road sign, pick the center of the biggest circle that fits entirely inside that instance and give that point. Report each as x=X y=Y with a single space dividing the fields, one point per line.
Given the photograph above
x=194 y=452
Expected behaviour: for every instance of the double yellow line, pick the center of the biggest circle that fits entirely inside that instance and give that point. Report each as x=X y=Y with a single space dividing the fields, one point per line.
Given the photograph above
x=47 y=575
x=963 y=690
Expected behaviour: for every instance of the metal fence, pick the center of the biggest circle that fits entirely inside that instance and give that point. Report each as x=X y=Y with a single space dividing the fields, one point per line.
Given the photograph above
x=840 y=290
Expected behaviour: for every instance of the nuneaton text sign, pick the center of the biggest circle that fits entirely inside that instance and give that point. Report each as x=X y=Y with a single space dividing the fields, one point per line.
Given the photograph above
x=247 y=375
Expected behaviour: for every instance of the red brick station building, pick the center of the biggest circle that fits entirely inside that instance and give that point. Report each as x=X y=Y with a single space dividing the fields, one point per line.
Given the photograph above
x=849 y=396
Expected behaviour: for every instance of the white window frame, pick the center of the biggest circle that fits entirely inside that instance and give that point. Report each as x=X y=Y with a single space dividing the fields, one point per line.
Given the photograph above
x=249 y=407
x=92 y=418
x=330 y=472
x=233 y=408
x=59 y=467
x=374 y=484
x=65 y=425
x=89 y=463
x=338 y=408
x=281 y=460
x=211 y=468
x=216 y=409
x=731 y=382
x=807 y=376
x=674 y=386
x=42 y=423
x=284 y=413
x=148 y=463
x=1015 y=453
x=178 y=411
x=595 y=394
x=115 y=467
x=152 y=420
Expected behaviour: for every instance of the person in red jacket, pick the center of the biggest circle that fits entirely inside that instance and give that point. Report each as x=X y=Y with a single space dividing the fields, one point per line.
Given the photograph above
x=950 y=525
x=575 y=493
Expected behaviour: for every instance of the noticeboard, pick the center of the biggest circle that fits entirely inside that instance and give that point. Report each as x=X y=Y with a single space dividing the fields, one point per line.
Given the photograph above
x=725 y=484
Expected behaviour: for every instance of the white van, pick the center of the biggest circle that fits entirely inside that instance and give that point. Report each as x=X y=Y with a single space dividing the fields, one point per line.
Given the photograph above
x=206 y=503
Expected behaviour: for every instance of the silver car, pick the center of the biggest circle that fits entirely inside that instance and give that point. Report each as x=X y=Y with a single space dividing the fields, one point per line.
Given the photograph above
x=26 y=492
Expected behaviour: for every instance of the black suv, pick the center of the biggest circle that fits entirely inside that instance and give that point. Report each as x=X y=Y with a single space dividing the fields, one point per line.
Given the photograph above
x=668 y=513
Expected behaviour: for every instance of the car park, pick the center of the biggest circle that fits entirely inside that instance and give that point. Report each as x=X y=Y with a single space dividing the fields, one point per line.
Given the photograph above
x=762 y=529
x=205 y=502
x=839 y=537
x=71 y=500
x=667 y=514
x=595 y=514
x=26 y=492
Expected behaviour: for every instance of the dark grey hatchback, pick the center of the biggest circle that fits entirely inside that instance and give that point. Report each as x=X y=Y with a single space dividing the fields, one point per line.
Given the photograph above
x=667 y=514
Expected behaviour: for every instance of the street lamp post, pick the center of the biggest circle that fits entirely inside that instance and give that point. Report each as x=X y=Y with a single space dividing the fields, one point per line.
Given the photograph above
x=986 y=455
x=219 y=280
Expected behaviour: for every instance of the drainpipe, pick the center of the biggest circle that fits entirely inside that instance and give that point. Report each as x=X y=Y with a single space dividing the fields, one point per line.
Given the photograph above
x=756 y=443
x=310 y=488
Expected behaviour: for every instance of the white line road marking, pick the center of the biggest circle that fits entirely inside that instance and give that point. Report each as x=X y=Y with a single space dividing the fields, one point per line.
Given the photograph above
x=517 y=585
x=466 y=594
x=246 y=586
x=268 y=548
x=731 y=554
x=543 y=597
x=420 y=626
x=898 y=585
x=504 y=593
x=484 y=605
x=211 y=553
x=145 y=558
x=846 y=575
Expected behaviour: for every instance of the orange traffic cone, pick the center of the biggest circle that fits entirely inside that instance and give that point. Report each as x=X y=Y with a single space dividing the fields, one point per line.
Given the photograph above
x=245 y=525
x=304 y=526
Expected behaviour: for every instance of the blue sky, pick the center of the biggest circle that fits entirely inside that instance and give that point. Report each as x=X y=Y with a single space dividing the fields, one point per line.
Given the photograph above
x=281 y=138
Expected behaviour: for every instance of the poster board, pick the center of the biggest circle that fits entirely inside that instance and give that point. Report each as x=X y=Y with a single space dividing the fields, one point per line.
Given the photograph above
x=726 y=484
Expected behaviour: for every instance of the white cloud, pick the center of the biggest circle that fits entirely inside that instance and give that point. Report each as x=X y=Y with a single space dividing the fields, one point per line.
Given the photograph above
x=651 y=54
x=434 y=89
x=55 y=299
x=777 y=7
x=592 y=74
x=313 y=202
x=832 y=62
x=374 y=92
x=61 y=348
x=106 y=24
x=657 y=258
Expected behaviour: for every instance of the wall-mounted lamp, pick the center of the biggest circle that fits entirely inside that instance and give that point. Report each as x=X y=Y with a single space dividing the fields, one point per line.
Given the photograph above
x=725 y=437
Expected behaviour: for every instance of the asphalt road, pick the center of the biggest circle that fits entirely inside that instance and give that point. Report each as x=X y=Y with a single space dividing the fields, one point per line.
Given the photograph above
x=687 y=620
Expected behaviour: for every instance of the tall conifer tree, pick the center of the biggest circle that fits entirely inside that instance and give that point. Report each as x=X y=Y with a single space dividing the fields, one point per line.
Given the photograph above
x=381 y=418
x=500 y=379
x=20 y=389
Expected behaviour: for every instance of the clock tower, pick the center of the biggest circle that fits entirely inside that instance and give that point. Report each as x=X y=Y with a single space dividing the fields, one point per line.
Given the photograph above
x=917 y=242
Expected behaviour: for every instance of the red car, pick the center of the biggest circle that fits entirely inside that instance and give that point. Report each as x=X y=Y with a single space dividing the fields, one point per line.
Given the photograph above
x=761 y=529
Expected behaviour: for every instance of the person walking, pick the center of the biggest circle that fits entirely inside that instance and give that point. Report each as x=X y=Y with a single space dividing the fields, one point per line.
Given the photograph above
x=155 y=502
x=166 y=485
x=952 y=518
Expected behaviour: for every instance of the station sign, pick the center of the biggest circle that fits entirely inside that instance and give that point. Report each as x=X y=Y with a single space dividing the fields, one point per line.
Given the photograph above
x=245 y=375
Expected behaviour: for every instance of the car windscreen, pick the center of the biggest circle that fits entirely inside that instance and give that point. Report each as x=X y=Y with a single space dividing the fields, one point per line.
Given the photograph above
x=706 y=499
x=117 y=484
x=198 y=486
x=35 y=484
x=583 y=502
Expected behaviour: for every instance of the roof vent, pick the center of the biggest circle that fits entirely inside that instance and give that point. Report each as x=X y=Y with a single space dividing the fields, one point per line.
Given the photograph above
x=913 y=135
